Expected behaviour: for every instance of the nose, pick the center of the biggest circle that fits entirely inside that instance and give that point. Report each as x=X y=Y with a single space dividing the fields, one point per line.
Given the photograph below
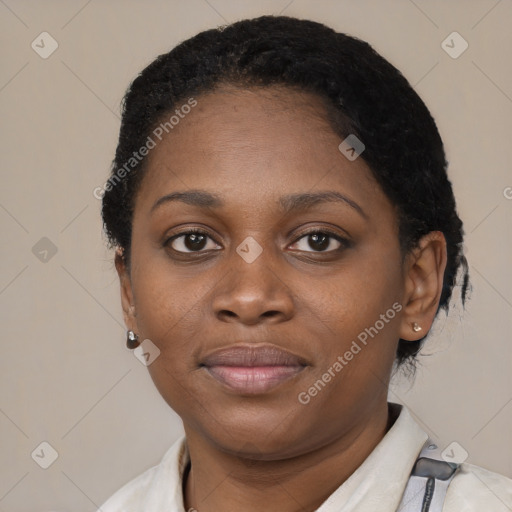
x=252 y=293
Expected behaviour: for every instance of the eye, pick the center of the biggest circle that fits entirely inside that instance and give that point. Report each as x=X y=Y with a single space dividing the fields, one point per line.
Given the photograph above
x=320 y=241
x=193 y=240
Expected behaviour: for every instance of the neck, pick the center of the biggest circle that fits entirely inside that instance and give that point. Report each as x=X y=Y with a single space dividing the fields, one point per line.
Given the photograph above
x=219 y=481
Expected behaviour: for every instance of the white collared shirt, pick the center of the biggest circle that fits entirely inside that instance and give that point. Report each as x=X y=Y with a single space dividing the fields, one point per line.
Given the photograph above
x=377 y=485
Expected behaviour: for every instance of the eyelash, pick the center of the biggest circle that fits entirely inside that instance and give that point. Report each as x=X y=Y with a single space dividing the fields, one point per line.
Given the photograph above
x=345 y=243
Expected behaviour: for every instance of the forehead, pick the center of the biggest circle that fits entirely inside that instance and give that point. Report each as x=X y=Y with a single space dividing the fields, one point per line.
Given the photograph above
x=246 y=142
x=262 y=118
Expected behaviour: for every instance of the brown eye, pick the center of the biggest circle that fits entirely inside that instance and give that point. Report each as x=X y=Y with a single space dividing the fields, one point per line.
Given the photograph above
x=191 y=241
x=319 y=241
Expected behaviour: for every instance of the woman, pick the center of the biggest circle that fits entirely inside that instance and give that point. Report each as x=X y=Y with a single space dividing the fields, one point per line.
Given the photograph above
x=285 y=235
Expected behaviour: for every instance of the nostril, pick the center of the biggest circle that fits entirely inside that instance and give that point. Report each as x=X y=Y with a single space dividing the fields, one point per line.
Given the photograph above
x=228 y=313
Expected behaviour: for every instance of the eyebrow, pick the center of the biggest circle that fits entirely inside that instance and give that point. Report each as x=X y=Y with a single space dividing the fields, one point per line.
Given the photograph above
x=289 y=203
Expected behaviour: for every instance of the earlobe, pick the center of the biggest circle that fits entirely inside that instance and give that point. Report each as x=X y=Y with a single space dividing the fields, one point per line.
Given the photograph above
x=424 y=273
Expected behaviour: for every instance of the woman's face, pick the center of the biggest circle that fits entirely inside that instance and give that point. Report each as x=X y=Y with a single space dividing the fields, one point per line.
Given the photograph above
x=277 y=267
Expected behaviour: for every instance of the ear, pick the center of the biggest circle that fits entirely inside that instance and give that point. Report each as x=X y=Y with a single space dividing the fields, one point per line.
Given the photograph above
x=424 y=272
x=127 y=301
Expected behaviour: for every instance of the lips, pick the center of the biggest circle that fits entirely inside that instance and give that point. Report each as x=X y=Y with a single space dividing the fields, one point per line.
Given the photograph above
x=253 y=369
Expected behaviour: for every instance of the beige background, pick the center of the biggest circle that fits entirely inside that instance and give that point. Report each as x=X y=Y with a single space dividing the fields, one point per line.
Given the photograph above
x=66 y=376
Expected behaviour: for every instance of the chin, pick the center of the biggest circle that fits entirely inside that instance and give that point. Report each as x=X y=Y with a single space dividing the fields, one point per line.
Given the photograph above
x=258 y=435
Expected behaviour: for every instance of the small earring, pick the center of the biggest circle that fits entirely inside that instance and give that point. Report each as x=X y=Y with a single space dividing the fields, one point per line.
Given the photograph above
x=416 y=327
x=132 y=340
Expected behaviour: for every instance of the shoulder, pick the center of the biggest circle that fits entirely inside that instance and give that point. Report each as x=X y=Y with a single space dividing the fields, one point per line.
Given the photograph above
x=474 y=488
x=130 y=498
x=160 y=482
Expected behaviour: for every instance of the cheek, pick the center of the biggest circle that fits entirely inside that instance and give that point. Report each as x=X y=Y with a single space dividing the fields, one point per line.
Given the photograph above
x=168 y=308
x=169 y=314
x=357 y=326
x=354 y=297
x=355 y=314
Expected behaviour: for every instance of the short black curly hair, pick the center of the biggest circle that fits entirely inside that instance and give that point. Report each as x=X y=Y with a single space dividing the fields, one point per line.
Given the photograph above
x=366 y=95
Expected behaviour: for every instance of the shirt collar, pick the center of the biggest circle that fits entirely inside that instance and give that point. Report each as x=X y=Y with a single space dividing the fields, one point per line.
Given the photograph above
x=377 y=484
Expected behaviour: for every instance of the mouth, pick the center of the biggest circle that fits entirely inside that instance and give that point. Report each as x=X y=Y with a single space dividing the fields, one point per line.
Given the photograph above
x=253 y=369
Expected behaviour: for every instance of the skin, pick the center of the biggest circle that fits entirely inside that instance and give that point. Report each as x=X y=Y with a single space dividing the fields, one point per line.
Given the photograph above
x=251 y=147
